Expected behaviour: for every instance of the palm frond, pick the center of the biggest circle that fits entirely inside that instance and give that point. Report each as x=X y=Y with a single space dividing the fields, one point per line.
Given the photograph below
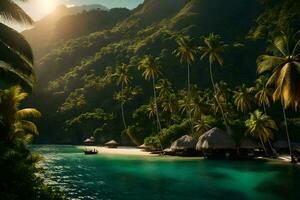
x=10 y=11
x=28 y=127
x=14 y=75
x=266 y=63
x=15 y=41
x=27 y=113
x=15 y=59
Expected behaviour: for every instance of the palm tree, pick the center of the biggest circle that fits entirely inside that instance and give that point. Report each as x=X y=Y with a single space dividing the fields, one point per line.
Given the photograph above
x=262 y=95
x=150 y=67
x=203 y=124
x=213 y=48
x=243 y=98
x=262 y=126
x=164 y=87
x=284 y=64
x=186 y=52
x=262 y=92
x=14 y=123
x=122 y=77
x=16 y=58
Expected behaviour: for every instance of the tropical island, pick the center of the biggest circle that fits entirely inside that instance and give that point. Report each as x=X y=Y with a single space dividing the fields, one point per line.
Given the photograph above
x=98 y=98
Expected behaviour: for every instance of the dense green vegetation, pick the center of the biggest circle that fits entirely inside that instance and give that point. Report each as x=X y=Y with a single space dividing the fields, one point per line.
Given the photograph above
x=18 y=166
x=183 y=70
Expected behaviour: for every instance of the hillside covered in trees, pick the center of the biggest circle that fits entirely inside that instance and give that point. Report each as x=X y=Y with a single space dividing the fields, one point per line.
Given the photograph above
x=97 y=78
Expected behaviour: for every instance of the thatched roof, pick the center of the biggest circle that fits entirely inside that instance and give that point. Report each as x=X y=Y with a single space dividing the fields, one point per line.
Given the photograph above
x=143 y=146
x=185 y=142
x=112 y=142
x=215 y=139
x=283 y=144
x=247 y=143
x=89 y=140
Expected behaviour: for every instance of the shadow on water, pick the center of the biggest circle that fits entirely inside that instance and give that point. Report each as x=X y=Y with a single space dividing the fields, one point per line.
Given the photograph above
x=135 y=177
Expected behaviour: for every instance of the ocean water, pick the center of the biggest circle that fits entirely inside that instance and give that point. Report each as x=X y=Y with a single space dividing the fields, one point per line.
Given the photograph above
x=112 y=177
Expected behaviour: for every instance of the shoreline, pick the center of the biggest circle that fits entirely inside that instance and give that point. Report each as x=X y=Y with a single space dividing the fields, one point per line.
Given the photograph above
x=133 y=151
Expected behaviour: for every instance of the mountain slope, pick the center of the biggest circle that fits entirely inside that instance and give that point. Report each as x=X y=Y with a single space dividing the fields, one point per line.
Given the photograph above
x=71 y=76
x=43 y=34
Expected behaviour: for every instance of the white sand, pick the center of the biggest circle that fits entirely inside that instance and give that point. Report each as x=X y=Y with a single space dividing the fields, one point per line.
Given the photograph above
x=121 y=151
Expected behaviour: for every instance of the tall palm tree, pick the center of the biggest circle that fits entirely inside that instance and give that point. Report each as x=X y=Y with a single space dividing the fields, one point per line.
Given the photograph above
x=14 y=123
x=16 y=58
x=262 y=126
x=262 y=95
x=186 y=52
x=150 y=67
x=122 y=77
x=284 y=64
x=243 y=98
x=213 y=48
x=262 y=92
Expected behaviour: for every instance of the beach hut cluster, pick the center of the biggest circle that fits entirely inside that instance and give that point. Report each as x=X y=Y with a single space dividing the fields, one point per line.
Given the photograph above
x=216 y=143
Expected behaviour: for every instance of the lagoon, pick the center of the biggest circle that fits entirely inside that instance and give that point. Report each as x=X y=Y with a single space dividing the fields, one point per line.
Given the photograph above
x=120 y=177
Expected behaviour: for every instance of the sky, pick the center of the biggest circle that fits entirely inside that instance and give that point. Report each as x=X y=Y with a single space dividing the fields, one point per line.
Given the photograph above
x=39 y=8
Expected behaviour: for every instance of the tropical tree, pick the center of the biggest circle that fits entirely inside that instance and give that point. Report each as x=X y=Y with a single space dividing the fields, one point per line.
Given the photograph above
x=262 y=92
x=212 y=49
x=150 y=67
x=284 y=64
x=13 y=122
x=203 y=124
x=261 y=126
x=16 y=58
x=186 y=53
x=243 y=98
x=122 y=77
x=164 y=87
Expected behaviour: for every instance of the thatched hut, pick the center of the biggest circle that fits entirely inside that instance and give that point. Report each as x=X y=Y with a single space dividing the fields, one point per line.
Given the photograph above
x=89 y=141
x=144 y=147
x=216 y=143
x=186 y=145
x=186 y=142
x=112 y=144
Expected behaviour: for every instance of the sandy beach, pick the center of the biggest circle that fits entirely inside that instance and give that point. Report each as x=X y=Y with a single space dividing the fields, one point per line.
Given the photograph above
x=121 y=151
x=140 y=152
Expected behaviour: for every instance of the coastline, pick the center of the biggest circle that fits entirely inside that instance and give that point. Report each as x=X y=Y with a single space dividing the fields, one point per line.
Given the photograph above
x=133 y=151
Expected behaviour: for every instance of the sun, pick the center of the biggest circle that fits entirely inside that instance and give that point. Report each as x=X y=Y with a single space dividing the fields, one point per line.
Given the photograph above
x=47 y=5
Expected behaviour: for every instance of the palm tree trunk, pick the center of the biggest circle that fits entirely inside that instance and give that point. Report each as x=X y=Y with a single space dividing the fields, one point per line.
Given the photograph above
x=265 y=109
x=214 y=87
x=189 y=98
x=155 y=102
x=269 y=142
x=264 y=147
x=288 y=135
x=122 y=108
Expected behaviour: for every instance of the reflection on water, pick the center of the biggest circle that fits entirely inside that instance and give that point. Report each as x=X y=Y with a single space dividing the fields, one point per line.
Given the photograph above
x=155 y=178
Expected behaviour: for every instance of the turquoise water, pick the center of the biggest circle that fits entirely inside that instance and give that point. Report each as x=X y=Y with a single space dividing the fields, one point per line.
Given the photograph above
x=111 y=177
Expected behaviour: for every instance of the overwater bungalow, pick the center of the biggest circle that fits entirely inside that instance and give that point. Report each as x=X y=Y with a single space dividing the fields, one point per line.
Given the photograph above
x=184 y=146
x=112 y=144
x=216 y=143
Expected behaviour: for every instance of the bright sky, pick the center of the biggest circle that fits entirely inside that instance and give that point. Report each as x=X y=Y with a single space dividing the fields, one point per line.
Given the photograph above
x=39 y=8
